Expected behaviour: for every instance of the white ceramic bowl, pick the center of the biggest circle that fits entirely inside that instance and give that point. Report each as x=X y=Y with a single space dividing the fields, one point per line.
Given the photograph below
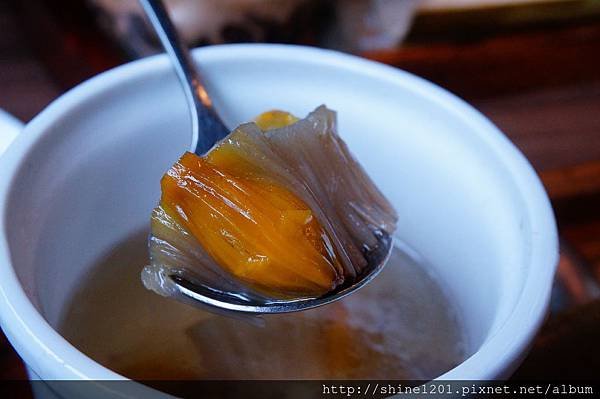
x=85 y=174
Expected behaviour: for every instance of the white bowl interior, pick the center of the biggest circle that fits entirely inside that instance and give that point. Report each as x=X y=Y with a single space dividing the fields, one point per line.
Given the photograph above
x=94 y=177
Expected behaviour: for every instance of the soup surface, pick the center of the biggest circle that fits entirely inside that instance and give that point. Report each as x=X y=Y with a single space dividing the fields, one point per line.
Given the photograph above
x=400 y=326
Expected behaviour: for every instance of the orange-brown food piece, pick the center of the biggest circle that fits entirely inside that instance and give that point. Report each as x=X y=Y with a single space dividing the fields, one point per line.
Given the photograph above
x=256 y=229
x=278 y=208
x=275 y=119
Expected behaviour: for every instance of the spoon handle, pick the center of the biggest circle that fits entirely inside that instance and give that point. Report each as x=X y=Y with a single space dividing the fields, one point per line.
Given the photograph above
x=207 y=127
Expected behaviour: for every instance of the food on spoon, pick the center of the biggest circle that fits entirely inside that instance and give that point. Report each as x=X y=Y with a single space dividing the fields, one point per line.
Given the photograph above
x=252 y=227
x=275 y=119
x=277 y=209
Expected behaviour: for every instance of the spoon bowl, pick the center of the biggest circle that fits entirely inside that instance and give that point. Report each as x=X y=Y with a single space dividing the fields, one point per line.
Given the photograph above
x=194 y=292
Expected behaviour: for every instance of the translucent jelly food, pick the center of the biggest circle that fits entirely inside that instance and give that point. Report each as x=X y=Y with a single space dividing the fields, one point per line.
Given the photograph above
x=278 y=209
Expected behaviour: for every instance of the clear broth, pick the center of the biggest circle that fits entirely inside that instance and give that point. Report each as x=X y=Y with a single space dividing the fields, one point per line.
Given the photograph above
x=401 y=326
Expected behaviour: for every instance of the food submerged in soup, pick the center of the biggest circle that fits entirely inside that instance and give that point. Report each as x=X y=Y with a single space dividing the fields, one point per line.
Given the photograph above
x=400 y=326
x=279 y=208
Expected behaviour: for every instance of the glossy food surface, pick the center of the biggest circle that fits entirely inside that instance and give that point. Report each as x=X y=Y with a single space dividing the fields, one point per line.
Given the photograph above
x=256 y=229
x=279 y=209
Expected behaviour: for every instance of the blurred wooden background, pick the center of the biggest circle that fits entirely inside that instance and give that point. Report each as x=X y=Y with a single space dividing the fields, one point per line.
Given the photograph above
x=540 y=85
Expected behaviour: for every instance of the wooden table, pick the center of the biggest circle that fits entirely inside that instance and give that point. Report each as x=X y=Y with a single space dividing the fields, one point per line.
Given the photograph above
x=540 y=86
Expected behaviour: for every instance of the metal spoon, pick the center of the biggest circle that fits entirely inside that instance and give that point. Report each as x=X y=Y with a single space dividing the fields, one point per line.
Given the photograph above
x=207 y=129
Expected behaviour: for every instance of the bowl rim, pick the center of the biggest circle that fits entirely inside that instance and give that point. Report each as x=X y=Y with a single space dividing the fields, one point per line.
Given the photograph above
x=42 y=348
